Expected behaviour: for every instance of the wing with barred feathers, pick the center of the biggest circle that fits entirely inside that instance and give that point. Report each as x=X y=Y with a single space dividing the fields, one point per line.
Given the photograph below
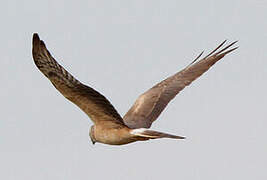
x=94 y=104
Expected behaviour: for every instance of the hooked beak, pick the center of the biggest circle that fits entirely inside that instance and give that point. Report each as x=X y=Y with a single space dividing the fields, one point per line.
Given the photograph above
x=93 y=142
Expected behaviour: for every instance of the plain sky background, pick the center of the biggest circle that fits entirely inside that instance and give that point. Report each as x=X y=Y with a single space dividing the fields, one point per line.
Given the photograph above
x=122 y=48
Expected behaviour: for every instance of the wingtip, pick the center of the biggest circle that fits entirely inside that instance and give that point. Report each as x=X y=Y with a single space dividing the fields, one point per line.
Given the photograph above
x=232 y=43
x=35 y=36
x=37 y=42
x=215 y=49
x=35 y=39
x=196 y=59
x=224 y=41
x=223 y=52
x=42 y=43
x=227 y=52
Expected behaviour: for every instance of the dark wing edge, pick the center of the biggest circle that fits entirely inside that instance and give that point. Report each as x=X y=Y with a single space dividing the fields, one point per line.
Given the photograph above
x=94 y=104
x=150 y=104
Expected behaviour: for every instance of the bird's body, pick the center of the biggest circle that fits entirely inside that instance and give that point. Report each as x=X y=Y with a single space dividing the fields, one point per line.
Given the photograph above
x=109 y=127
x=112 y=134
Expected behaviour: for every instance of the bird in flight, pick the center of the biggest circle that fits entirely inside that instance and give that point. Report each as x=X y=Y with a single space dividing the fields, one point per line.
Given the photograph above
x=109 y=127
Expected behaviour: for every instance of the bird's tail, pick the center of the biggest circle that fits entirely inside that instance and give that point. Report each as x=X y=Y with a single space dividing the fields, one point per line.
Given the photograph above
x=142 y=132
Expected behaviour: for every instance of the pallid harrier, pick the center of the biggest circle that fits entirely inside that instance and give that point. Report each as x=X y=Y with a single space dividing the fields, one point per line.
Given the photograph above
x=109 y=127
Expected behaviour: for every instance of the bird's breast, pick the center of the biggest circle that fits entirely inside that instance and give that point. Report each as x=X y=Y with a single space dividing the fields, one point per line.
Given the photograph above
x=113 y=136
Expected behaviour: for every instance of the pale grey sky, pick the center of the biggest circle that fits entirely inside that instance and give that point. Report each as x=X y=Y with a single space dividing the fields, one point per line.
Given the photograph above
x=122 y=48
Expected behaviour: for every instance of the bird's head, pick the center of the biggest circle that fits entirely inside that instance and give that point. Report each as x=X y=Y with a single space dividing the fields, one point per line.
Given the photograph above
x=92 y=134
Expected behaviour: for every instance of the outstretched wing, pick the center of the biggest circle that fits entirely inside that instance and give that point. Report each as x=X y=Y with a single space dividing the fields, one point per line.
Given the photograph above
x=94 y=104
x=149 y=105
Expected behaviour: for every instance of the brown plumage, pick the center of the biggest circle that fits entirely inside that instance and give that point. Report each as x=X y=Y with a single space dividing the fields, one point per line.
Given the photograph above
x=109 y=127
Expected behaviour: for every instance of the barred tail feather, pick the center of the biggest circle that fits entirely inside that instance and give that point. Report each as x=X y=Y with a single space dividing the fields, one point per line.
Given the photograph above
x=153 y=134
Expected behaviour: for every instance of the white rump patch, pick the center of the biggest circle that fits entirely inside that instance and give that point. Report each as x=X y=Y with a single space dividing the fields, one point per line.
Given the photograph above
x=138 y=131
